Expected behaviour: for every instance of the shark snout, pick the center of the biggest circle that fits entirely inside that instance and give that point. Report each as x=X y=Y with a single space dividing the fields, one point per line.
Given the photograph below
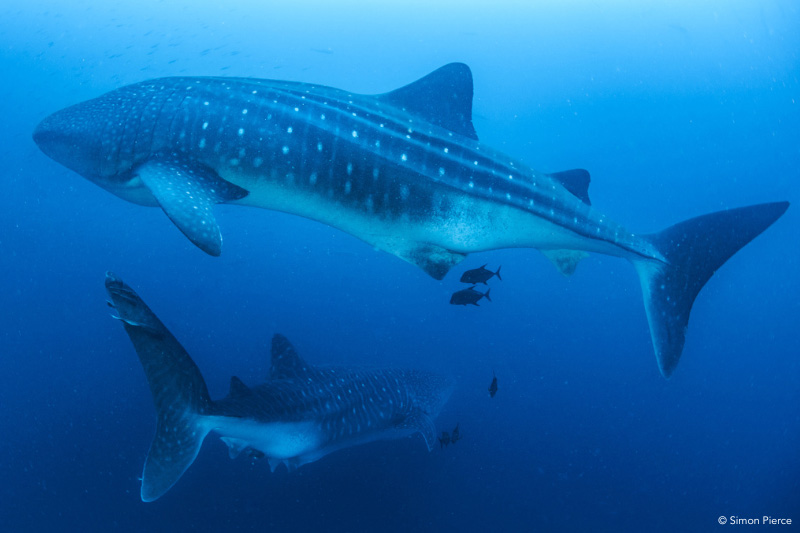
x=68 y=140
x=55 y=141
x=43 y=135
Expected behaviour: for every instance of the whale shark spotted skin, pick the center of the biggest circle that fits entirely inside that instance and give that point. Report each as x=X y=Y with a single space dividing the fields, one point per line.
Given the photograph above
x=299 y=415
x=403 y=171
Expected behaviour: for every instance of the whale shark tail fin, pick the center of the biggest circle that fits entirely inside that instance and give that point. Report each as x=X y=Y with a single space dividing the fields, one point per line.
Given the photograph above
x=179 y=391
x=693 y=250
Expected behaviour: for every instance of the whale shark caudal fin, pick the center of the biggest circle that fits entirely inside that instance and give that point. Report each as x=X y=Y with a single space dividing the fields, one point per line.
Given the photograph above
x=693 y=250
x=179 y=391
x=187 y=193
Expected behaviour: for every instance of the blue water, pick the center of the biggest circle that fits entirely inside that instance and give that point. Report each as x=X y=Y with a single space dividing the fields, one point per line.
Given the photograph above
x=675 y=109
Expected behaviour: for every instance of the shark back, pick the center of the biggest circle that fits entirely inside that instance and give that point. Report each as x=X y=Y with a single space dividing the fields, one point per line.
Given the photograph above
x=339 y=406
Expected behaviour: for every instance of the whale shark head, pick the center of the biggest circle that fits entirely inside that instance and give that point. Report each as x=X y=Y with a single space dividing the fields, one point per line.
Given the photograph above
x=85 y=138
x=69 y=138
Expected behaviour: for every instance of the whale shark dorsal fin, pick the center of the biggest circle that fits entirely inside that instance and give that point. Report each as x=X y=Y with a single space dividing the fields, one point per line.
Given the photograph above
x=443 y=97
x=187 y=191
x=286 y=363
x=238 y=388
x=575 y=181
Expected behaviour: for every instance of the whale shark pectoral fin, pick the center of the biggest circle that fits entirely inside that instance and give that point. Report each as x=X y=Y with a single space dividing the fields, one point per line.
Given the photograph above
x=433 y=259
x=566 y=261
x=187 y=193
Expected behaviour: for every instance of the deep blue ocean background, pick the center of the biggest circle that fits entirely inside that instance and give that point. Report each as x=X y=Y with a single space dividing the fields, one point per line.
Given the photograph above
x=676 y=109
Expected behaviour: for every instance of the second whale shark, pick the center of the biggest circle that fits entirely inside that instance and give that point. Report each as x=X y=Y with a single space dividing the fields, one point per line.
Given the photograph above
x=403 y=171
x=300 y=414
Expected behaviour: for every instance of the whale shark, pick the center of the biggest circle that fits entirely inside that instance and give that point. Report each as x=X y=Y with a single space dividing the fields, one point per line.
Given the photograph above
x=403 y=171
x=300 y=414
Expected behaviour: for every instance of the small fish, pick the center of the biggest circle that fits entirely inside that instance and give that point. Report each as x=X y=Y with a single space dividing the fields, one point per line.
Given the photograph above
x=455 y=436
x=469 y=296
x=493 y=386
x=480 y=275
x=444 y=440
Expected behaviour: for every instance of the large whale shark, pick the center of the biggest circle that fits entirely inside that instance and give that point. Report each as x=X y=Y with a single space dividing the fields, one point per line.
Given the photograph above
x=300 y=414
x=403 y=171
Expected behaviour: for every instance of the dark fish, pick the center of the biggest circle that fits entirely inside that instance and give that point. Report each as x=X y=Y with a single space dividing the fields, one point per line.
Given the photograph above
x=469 y=296
x=444 y=440
x=480 y=275
x=493 y=386
x=455 y=436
